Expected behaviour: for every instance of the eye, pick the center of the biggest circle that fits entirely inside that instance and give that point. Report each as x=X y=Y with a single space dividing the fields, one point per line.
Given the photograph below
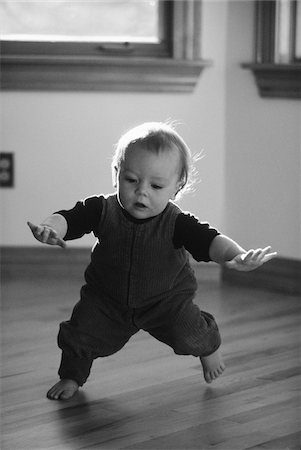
x=130 y=180
x=156 y=186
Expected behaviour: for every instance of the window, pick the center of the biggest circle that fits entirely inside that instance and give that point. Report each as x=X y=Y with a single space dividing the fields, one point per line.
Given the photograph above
x=133 y=45
x=62 y=20
x=138 y=27
x=277 y=66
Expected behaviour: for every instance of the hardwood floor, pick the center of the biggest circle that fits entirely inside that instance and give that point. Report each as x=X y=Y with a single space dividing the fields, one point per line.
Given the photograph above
x=145 y=397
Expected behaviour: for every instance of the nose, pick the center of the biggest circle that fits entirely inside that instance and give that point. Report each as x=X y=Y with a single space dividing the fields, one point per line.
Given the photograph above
x=141 y=188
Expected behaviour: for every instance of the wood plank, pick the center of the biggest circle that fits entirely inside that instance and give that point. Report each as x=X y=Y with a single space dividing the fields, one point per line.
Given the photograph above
x=280 y=274
x=145 y=397
x=289 y=442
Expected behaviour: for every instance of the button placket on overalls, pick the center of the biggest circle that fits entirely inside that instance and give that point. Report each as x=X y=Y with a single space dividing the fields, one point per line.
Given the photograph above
x=129 y=293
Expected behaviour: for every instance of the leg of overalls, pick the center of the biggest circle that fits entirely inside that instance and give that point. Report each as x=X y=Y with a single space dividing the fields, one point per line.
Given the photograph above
x=97 y=328
x=179 y=323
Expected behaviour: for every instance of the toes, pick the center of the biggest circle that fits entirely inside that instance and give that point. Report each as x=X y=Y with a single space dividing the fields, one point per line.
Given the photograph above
x=57 y=395
x=53 y=395
x=63 y=390
x=50 y=393
x=208 y=378
x=54 y=392
x=220 y=370
x=213 y=374
x=66 y=394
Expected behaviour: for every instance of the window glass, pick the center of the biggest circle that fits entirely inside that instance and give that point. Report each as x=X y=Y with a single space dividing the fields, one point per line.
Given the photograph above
x=298 y=30
x=277 y=67
x=74 y=20
x=288 y=31
x=283 y=31
x=105 y=45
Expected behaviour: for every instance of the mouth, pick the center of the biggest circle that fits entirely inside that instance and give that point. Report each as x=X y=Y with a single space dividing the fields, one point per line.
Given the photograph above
x=140 y=205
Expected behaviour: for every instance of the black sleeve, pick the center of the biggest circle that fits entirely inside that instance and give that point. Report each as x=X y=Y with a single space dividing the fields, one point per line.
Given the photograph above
x=194 y=236
x=83 y=218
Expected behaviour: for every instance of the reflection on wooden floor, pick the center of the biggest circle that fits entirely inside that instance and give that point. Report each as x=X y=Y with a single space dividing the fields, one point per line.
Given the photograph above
x=145 y=397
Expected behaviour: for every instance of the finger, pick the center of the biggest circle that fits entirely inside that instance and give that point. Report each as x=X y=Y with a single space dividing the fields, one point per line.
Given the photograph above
x=61 y=243
x=56 y=240
x=247 y=256
x=36 y=229
x=269 y=256
x=32 y=226
x=258 y=253
x=45 y=234
x=266 y=250
x=263 y=254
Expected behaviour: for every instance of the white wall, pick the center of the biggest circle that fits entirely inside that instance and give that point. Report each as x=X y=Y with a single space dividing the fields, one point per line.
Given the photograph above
x=263 y=148
x=63 y=144
x=63 y=141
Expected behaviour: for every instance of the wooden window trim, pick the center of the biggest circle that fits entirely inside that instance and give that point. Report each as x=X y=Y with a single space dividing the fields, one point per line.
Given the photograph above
x=273 y=79
x=113 y=67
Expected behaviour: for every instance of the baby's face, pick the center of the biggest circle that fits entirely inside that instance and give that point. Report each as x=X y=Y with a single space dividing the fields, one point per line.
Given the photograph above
x=147 y=181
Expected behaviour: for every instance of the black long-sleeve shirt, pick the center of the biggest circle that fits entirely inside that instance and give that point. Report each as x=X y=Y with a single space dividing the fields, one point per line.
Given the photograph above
x=195 y=236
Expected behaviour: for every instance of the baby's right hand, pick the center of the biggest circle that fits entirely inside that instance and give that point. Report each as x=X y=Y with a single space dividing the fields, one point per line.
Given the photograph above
x=46 y=234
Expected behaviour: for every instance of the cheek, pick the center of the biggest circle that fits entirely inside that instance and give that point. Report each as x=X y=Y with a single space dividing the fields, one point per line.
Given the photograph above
x=170 y=195
x=163 y=198
x=124 y=189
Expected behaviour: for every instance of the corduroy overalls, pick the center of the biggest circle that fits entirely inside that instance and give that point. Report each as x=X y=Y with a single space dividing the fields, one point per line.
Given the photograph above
x=136 y=280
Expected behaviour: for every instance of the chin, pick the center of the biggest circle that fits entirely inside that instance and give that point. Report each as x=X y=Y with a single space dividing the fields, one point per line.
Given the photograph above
x=141 y=214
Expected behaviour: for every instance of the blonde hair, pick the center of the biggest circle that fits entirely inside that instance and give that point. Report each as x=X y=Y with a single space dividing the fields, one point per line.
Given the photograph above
x=156 y=137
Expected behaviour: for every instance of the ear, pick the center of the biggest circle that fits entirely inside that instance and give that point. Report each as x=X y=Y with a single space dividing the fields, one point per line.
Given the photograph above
x=115 y=176
x=179 y=186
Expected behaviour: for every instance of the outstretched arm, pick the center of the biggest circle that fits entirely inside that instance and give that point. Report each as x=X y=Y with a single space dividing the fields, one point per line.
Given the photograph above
x=52 y=231
x=227 y=252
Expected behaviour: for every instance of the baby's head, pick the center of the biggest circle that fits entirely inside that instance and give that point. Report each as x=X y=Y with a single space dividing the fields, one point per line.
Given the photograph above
x=151 y=165
x=155 y=137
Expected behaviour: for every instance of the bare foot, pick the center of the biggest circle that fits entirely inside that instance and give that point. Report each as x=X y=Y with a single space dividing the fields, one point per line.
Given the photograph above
x=63 y=390
x=213 y=366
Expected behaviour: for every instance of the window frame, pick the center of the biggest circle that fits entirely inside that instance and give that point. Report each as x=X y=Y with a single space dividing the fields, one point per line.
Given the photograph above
x=274 y=79
x=98 y=48
x=174 y=65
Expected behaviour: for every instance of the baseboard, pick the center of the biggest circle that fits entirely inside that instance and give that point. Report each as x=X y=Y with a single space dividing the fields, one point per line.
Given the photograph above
x=42 y=255
x=280 y=274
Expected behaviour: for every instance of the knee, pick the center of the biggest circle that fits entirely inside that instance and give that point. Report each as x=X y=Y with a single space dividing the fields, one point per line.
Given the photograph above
x=84 y=345
x=198 y=342
x=75 y=343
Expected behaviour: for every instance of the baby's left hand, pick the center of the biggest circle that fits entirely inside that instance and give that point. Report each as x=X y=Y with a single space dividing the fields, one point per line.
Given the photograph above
x=251 y=260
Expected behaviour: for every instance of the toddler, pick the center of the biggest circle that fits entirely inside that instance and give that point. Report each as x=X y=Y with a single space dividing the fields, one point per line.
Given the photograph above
x=139 y=276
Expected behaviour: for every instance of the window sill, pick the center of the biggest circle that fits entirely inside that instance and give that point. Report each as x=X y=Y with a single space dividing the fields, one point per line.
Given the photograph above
x=277 y=80
x=81 y=73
